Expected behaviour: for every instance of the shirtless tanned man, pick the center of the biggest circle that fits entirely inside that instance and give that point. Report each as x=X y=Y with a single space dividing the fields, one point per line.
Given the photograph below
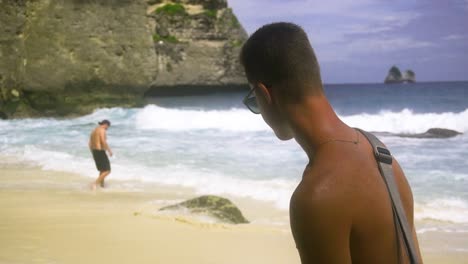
x=341 y=211
x=98 y=146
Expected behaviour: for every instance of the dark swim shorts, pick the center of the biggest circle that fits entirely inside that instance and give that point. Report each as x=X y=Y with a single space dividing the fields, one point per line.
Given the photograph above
x=101 y=159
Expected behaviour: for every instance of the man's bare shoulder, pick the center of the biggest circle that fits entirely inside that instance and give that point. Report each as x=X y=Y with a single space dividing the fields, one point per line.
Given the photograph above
x=95 y=130
x=320 y=193
x=98 y=131
x=320 y=220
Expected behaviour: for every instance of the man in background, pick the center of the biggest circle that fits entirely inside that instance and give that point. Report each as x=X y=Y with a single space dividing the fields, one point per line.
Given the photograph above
x=341 y=211
x=98 y=146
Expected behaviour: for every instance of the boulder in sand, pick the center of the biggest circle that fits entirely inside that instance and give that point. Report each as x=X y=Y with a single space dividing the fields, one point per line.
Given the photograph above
x=217 y=207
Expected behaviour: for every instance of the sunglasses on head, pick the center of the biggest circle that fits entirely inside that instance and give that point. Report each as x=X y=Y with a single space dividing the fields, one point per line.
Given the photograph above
x=250 y=101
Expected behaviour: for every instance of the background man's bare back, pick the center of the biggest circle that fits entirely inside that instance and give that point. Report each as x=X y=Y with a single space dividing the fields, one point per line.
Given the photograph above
x=95 y=139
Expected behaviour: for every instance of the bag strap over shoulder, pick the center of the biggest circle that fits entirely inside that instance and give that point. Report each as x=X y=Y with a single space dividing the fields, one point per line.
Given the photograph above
x=384 y=160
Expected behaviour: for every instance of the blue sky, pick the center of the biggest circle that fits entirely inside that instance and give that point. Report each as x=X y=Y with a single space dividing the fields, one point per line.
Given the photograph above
x=357 y=41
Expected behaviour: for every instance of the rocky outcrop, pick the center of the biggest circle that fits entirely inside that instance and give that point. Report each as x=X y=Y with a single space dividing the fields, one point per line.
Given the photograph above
x=68 y=57
x=409 y=76
x=213 y=206
x=434 y=133
x=395 y=76
x=197 y=43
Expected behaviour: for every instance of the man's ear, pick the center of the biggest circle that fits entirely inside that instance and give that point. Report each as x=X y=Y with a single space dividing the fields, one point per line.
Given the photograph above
x=264 y=90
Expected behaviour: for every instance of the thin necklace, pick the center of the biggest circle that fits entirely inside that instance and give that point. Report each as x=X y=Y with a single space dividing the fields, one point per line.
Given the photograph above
x=355 y=142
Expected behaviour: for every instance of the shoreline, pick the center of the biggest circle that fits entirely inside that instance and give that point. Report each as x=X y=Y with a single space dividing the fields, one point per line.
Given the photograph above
x=48 y=218
x=20 y=176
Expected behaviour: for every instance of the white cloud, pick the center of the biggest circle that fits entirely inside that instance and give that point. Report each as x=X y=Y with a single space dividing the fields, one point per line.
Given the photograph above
x=364 y=10
x=383 y=24
x=369 y=46
x=454 y=37
x=330 y=21
x=339 y=30
x=270 y=8
x=373 y=45
x=367 y=29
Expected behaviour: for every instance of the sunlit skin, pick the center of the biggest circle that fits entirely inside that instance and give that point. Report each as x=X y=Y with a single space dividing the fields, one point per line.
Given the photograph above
x=98 y=141
x=340 y=212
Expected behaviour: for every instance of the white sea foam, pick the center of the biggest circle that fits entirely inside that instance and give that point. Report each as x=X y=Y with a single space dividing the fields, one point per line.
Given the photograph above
x=206 y=181
x=154 y=117
x=51 y=160
x=441 y=229
x=406 y=121
x=202 y=180
x=452 y=210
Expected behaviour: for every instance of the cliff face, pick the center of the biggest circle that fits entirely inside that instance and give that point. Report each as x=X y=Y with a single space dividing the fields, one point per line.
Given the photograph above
x=62 y=57
x=12 y=19
x=197 y=44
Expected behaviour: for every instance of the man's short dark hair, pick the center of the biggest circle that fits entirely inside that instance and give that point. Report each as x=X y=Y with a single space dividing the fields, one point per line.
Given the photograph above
x=280 y=55
x=105 y=122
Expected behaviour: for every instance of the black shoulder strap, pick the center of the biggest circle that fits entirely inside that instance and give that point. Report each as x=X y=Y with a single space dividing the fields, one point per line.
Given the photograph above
x=384 y=161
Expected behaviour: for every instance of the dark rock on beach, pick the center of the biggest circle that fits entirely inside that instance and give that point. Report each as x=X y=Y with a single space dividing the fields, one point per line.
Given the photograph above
x=67 y=58
x=214 y=206
x=434 y=133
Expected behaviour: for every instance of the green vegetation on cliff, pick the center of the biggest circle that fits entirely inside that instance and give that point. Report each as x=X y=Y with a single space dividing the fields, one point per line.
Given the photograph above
x=409 y=74
x=169 y=39
x=237 y=42
x=171 y=9
x=394 y=71
x=212 y=13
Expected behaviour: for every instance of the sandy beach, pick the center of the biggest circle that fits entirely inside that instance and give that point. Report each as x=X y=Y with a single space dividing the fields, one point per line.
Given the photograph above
x=62 y=226
x=56 y=225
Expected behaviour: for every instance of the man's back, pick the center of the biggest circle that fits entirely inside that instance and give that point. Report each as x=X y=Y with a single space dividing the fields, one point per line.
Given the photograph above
x=342 y=204
x=95 y=139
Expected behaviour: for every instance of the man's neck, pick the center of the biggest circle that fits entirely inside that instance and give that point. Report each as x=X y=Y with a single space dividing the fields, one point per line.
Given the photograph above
x=314 y=122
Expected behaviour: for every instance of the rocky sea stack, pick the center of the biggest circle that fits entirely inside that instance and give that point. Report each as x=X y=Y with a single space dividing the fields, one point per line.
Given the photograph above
x=65 y=58
x=213 y=206
x=395 y=76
